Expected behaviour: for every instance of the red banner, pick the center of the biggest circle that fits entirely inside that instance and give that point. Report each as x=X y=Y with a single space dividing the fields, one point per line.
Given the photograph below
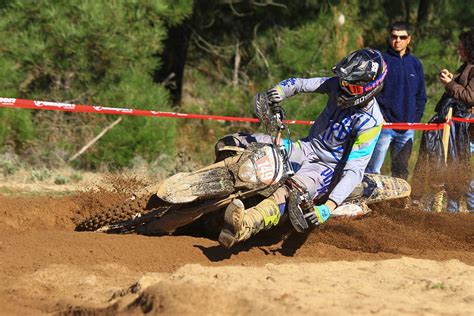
x=67 y=107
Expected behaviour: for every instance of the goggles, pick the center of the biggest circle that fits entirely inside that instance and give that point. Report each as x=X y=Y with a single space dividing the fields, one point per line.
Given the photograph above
x=352 y=88
x=356 y=89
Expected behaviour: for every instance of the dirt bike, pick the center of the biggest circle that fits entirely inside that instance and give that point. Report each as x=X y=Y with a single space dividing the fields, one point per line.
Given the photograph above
x=250 y=174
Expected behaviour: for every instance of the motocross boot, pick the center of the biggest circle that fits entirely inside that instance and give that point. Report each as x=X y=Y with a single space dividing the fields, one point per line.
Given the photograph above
x=240 y=224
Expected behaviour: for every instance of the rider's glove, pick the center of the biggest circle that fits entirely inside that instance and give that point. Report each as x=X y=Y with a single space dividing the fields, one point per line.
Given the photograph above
x=276 y=94
x=318 y=215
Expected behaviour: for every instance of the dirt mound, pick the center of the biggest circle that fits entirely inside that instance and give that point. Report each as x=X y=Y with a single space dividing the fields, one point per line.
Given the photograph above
x=284 y=288
x=46 y=266
x=402 y=231
x=408 y=286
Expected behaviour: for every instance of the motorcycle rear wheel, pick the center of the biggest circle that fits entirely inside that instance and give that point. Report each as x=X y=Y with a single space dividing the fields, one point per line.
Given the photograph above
x=123 y=217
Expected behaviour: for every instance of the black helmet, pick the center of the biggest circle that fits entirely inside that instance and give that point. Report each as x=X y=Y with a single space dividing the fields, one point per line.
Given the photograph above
x=361 y=76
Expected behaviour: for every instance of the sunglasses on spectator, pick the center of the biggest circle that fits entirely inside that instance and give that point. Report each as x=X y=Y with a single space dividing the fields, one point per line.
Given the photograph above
x=402 y=37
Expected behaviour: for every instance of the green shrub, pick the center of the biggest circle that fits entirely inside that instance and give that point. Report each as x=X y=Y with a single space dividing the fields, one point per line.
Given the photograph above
x=40 y=175
x=60 y=180
x=76 y=177
x=8 y=167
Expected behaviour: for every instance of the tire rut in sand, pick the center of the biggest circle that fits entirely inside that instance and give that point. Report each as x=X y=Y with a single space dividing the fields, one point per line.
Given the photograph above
x=400 y=231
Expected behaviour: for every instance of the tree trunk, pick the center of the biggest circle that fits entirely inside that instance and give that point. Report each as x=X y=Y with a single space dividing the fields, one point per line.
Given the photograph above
x=423 y=11
x=173 y=61
x=407 y=10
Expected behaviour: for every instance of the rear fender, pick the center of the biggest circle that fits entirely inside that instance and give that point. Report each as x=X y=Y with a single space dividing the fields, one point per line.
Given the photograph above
x=376 y=188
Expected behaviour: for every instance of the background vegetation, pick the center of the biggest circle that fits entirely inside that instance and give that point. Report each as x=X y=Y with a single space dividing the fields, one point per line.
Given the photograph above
x=200 y=56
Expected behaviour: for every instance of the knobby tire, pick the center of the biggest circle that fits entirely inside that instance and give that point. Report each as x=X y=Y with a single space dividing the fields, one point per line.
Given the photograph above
x=122 y=215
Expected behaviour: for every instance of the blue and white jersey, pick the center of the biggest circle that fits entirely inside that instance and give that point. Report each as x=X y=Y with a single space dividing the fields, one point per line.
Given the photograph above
x=331 y=130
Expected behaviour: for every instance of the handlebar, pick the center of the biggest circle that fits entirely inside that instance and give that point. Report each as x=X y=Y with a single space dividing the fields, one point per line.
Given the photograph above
x=271 y=114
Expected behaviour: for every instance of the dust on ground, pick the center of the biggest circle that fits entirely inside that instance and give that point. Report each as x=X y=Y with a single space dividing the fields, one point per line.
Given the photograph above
x=395 y=261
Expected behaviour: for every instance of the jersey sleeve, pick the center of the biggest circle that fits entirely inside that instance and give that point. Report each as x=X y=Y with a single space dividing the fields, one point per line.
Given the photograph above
x=355 y=166
x=293 y=86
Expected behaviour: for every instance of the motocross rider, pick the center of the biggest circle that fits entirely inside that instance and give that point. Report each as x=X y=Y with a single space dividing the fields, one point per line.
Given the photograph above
x=351 y=121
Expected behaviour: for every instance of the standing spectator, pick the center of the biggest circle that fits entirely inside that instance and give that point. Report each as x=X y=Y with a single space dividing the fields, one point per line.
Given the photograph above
x=402 y=99
x=461 y=88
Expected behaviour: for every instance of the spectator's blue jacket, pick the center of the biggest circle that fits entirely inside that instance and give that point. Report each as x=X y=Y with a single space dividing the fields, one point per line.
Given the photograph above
x=403 y=96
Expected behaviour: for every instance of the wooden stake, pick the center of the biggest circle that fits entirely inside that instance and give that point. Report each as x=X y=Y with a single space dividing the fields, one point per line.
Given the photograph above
x=92 y=142
x=446 y=132
x=439 y=196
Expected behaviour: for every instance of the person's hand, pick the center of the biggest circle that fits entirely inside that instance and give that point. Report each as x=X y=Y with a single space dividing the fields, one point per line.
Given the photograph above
x=276 y=94
x=269 y=114
x=445 y=76
x=318 y=215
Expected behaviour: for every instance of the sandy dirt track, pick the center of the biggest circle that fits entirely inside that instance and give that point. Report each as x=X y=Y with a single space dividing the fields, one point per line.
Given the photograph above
x=393 y=262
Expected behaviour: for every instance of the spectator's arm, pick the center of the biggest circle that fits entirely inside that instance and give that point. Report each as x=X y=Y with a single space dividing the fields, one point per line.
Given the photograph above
x=463 y=94
x=421 y=94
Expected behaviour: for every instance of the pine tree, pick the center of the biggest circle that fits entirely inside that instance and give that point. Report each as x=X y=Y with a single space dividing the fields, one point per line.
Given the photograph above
x=88 y=52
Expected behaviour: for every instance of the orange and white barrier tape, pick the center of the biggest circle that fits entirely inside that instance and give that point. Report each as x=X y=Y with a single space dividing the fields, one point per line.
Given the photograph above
x=68 y=107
